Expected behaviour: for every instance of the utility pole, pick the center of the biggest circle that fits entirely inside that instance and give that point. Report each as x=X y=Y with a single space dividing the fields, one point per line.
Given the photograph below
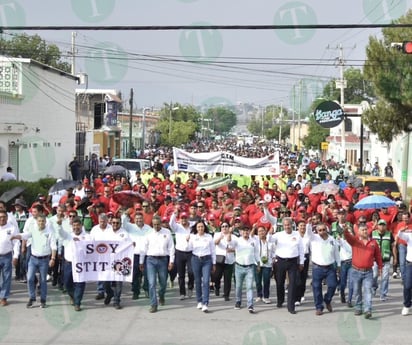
x=131 y=124
x=73 y=53
x=341 y=84
x=280 y=122
x=300 y=113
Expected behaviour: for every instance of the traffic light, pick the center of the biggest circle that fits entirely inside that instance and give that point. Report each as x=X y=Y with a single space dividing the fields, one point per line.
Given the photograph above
x=407 y=47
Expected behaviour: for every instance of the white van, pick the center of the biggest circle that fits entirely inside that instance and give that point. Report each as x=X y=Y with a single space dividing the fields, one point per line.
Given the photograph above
x=132 y=164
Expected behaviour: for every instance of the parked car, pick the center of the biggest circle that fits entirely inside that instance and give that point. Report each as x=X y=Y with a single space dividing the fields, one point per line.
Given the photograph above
x=133 y=165
x=378 y=185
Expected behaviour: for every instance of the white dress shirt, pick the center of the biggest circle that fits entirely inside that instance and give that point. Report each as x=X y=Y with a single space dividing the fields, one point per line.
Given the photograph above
x=288 y=245
x=137 y=234
x=43 y=242
x=223 y=246
x=246 y=251
x=99 y=234
x=324 y=252
x=202 y=245
x=407 y=236
x=6 y=244
x=181 y=234
x=159 y=243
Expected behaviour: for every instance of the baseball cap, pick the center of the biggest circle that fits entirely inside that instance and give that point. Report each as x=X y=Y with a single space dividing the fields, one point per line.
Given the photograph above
x=381 y=222
x=183 y=215
x=228 y=202
x=266 y=183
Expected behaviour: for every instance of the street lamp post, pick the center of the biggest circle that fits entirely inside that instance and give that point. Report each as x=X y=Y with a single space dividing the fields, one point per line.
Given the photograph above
x=170 y=120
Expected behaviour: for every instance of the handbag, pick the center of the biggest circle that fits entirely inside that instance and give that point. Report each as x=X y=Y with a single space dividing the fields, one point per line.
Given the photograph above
x=220 y=259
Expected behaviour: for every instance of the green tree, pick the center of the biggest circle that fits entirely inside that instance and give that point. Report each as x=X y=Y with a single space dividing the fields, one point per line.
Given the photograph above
x=33 y=47
x=390 y=72
x=358 y=89
x=223 y=119
x=178 y=124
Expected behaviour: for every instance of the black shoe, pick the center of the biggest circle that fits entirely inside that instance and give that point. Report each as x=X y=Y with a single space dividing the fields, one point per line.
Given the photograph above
x=279 y=305
x=251 y=310
x=227 y=298
x=368 y=315
x=108 y=299
x=117 y=306
x=153 y=309
x=161 y=300
x=293 y=312
x=343 y=299
x=43 y=305
x=99 y=296
x=217 y=292
x=135 y=296
x=237 y=305
x=30 y=303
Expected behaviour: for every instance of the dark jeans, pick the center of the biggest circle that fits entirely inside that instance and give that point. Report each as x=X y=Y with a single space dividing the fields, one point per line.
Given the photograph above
x=346 y=279
x=319 y=274
x=262 y=278
x=113 y=288
x=301 y=279
x=74 y=290
x=407 y=285
x=225 y=271
x=183 y=260
x=138 y=276
x=289 y=266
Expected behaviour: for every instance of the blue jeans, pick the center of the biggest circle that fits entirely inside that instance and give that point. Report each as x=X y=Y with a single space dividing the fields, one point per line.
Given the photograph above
x=407 y=286
x=242 y=273
x=202 y=267
x=384 y=278
x=346 y=279
x=402 y=260
x=318 y=274
x=156 y=268
x=362 y=289
x=74 y=290
x=5 y=275
x=42 y=266
x=263 y=281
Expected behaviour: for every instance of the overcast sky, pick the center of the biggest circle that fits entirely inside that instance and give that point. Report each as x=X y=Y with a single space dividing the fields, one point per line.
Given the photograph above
x=264 y=67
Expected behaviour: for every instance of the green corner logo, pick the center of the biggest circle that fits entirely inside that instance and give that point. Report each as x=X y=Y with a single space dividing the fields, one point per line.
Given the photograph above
x=5 y=323
x=11 y=13
x=264 y=334
x=201 y=45
x=60 y=314
x=107 y=64
x=384 y=11
x=93 y=11
x=357 y=330
x=36 y=158
x=295 y=13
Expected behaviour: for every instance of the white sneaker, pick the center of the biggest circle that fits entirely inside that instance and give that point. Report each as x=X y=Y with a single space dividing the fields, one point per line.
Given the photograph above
x=258 y=299
x=297 y=303
x=205 y=308
x=405 y=311
x=266 y=300
x=302 y=300
x=182 y=297
x=395 y=275
x=199 y=305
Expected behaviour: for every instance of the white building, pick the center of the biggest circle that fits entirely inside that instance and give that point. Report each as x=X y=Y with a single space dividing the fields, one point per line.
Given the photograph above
x=37 y=121
x=397 y=153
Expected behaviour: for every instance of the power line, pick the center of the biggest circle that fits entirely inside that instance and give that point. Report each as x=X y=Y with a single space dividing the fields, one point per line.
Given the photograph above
x=203 y=27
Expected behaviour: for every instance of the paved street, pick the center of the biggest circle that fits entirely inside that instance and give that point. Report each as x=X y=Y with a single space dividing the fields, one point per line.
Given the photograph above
x=180 y=323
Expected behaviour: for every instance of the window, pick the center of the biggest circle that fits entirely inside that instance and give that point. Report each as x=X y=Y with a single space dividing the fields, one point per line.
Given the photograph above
x=10 y=77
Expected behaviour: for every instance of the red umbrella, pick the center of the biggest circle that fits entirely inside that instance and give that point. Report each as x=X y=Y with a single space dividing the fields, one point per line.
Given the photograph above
x=128 y=198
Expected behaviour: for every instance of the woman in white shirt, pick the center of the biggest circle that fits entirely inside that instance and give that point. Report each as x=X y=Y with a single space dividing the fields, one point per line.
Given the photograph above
x=203 y=261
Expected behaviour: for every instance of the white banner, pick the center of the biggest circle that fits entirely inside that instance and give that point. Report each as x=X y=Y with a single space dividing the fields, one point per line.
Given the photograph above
x=103 y=261
x=225 y=163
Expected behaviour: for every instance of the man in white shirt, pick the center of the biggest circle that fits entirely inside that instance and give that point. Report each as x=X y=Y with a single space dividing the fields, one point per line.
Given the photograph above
x=183 y=253
x=74 y=290
x=43 y=256
x=160 y=251
x=247 y=260
x=9 y=253
x=8 y=175
x=138 y=232
x=325 y=264
x=102 y=231
x=290 y=257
